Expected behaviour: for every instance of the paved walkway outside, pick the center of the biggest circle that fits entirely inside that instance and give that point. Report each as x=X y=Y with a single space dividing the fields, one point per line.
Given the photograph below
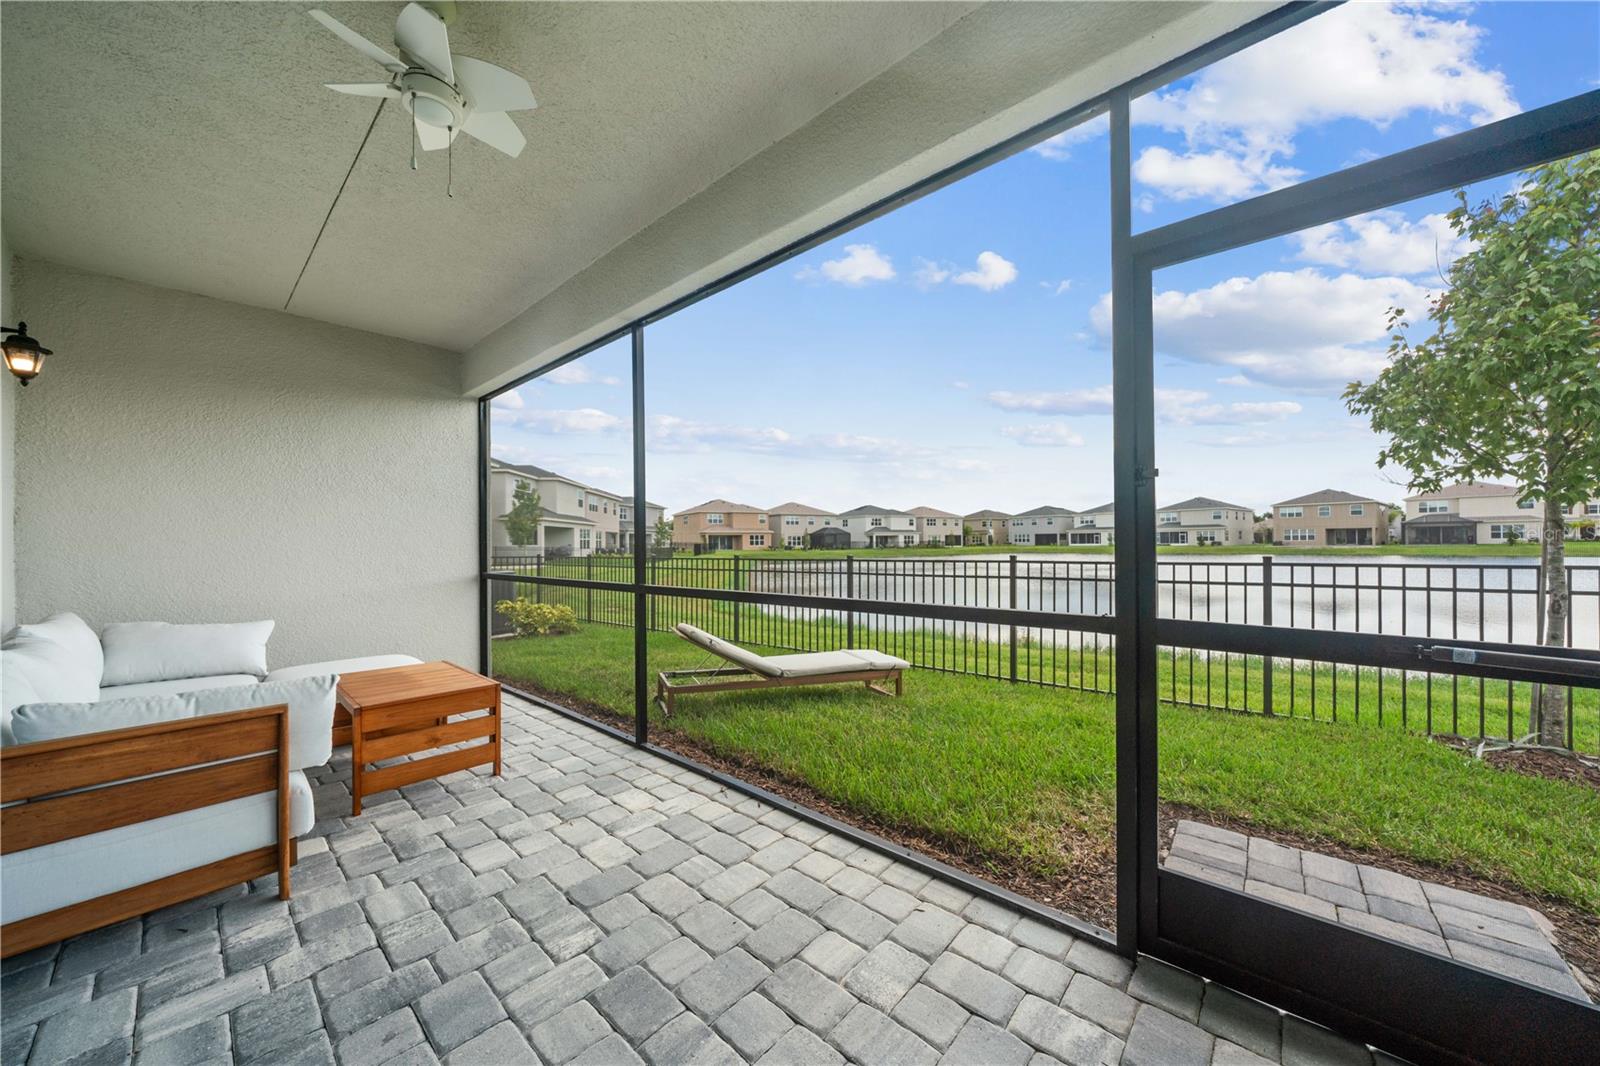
x=1502 y=937
x=599 y=905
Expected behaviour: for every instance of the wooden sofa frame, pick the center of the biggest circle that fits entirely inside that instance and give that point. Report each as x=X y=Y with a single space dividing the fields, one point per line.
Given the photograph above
x=670 y=684
x=94 y=782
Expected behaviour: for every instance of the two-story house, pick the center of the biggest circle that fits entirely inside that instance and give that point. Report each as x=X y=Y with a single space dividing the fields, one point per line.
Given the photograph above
x=935 y=526
x=879 y=527
x=653 y=513
x=1097 y=525
x=1470 y=513
x=574 y=518
x=1330 y=518
x=721 y=525
x=793 y=523
x=1202 y=520
x=1042 y=526
x=988 y=527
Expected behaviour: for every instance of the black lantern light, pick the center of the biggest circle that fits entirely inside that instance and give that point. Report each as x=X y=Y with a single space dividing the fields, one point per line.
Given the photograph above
x=24 y=355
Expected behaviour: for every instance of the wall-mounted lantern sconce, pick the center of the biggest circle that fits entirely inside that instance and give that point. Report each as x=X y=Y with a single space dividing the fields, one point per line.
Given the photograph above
x=24 y=355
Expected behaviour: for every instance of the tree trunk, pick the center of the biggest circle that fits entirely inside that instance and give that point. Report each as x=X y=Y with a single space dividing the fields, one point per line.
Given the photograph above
x=1548 y=715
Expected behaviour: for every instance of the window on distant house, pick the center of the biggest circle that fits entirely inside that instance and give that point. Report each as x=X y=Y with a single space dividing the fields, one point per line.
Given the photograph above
x=1325 y=511
x=1169 y=517
x=583 y=539
x=758 y=540
x=1291 y=535
x=1591 y=508
x=762 y=519
x=1358 y=509
x=1433 y=507
x=1501 y=532
x=1526 y=505
x=714 y=519
x=1291 y=512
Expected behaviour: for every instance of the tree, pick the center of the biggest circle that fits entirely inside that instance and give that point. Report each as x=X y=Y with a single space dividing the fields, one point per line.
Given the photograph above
x=522 y=523
x=1508 y=384
x=663 y=534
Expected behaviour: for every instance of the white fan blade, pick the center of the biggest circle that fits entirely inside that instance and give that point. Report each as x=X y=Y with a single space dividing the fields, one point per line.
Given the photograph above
x=432 y=138
x=356 y=41
x=422 y=36
x=496 y=129
x=364 y=88
x=491 y=88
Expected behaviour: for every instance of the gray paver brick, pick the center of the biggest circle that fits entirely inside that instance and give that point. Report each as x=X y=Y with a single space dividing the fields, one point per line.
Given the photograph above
x=1305 y=1044
x=576 y=1029
x=800 y=1046
x=757 y=907
x=811 y=998
x=496 y=1046
x=868 y=1035
x=1090 y=958
x=1108 y=1007
x=667 y=895
x=1033 y=972
x=208 y=1001
x=854 y=921
x=687 y=1039
x=975 y=988
x=987 y=949
x=636 y=1004
x=413 y=938
x=983 y=1042
x=1161 y=1039
x=479 y=949
x=382 y=1040
x=799 y=891
x=928 y=930
x=932 y=1015
x=1061 y=1034
x=207 y=1042
x=722 y=982
x=458 y=1010
x=86 y=1027
x=832 y=954
x=1167 y=987
x=782 y=937
x=340 y=977
x=1243 y=1021
x=712 y=926
x=753 y=1025
x=364 y=1005
x=263 y=1027
x=674 y=963
x=883 y=977
x=626 y=947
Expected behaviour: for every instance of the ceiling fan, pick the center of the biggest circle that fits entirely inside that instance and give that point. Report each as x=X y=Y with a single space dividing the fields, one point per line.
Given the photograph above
x=446 y=94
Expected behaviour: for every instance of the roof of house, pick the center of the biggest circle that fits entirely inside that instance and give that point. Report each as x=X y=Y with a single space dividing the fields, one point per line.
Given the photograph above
x=869 y=509
x=648 y=503
x=1326 y=496
x=1466 y=488
x=540 y=472
x=1201 y=503
x=985 y=514
x=797 y=508
x=720 y=506
x=1047 y=509
x=932 y=512
x=1441 y=520
x=1099 y=510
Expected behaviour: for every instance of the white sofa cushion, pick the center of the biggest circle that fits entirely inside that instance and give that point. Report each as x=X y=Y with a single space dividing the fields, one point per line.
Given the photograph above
x=33 y=722
x=42 y=879
x=310 y=701
x=342 y=666
x=178 y=687
x=60 y=657
x=162 y=651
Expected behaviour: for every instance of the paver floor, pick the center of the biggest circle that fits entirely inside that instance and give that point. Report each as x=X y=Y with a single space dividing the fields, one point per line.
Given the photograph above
x=597 y=904
x=1502 y=937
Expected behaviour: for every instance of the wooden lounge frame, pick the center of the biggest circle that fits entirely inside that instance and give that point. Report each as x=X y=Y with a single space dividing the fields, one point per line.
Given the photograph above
x=670 y=684
x=94 y=782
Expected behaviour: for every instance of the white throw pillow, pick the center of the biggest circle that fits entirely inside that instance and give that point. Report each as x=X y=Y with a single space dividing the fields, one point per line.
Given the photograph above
x=33 y=722
x=60 y=658
x=310 y=702
x=160 y=651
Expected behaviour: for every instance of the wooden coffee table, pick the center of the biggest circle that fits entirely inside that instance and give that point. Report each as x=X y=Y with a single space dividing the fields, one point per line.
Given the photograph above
x=405 y=710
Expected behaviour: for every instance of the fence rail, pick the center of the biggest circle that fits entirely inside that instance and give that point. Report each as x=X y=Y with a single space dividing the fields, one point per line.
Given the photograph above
x=1495 y=602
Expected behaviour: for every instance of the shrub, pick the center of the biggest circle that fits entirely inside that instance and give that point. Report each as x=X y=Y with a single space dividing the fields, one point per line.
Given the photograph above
x=529 y=619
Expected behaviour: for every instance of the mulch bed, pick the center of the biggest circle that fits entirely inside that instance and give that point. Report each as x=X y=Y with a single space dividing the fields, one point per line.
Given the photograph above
x=1536 y=762
x=1088 y=890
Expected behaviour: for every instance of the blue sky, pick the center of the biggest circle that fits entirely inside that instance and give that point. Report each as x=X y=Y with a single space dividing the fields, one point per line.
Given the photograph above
x=955 y=353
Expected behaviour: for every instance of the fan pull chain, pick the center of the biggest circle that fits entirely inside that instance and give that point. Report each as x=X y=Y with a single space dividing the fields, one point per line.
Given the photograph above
x=413 y=135
x=450 y=163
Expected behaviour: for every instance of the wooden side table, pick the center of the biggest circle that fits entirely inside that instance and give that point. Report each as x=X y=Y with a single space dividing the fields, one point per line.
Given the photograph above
x=405 y=710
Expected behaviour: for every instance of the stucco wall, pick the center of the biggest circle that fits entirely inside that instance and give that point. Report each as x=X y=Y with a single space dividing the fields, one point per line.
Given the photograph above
x=8 y=431
x=188 y=459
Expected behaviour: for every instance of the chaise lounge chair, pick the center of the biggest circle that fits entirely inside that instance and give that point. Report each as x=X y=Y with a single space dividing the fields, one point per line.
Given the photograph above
x=750 y=670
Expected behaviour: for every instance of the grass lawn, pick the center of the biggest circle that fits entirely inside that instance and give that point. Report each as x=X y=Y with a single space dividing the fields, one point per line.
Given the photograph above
x=1023 y=772
x=1576 y=550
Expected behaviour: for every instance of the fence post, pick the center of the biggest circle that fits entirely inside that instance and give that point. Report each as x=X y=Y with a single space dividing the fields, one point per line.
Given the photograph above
x=737 y=611
x=1266 y=620
x=538 y=570
x=1012 y=602
x=653 y=581
x=588 y=594
x=850 y=594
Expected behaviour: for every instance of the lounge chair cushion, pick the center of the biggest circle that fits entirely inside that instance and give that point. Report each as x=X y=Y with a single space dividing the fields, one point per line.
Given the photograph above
x=819 y=663
x=341 y=666
x=162 y=651
x=732 y=652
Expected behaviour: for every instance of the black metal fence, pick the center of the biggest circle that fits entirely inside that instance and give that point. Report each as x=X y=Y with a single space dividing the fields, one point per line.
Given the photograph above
x=1499 y=602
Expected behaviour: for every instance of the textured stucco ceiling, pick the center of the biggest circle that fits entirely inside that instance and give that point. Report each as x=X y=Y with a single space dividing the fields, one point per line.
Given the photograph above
x=193 y=145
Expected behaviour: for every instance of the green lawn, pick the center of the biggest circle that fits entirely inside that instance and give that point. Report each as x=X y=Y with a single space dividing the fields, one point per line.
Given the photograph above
x=1576 y=549
x=999 y=770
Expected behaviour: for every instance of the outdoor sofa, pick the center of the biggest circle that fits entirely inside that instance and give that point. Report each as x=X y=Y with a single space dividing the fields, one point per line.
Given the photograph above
x=150 y=764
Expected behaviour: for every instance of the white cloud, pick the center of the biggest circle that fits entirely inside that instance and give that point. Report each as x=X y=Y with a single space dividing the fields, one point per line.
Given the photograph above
x=1199 y=411
x=1044 y=435
x=860 y=264
x=994 y=271
x=673 y=434
x=577 y=374
x=1060 y=146
x=1057 y=287
x=961 y=384
x=1095 y=401
x=575 y=420
x=1367 y=61
x=930 y=274
x=1385 y=242
x=1215 y=175
x=1300 y=329
x=504 y=407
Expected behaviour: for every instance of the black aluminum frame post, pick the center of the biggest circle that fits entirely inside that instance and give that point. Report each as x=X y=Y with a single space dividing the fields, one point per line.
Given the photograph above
x=641 y=545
